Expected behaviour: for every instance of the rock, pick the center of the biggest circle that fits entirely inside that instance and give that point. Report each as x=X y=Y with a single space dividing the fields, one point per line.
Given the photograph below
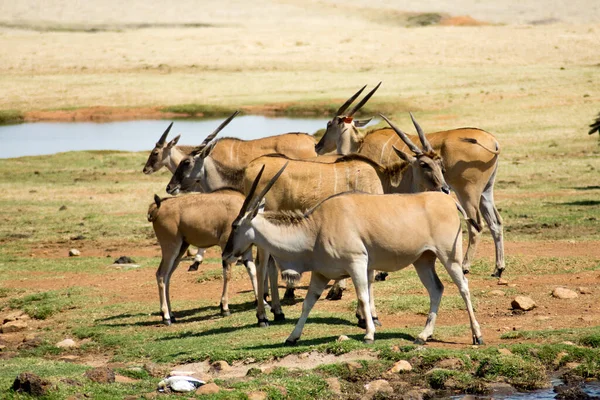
x=123 y=260
x=584 y=290
x=505 y=352
x=257 y=396
x=497 y=293
x=14 y=326
x=502 y=282
x=353 y=366
x=209 y=388
x=565 y=392
x=74 y=253
x=62 y=208
x=378 y=386
x=342 y=338
x=334 y=385
x=523 y=303
x=418 y=394
x=220 y=366
x=31 y=384
x=401 y=366
x=451 y=363
x=564 y=293
x=101 y=375
x=501 y=389
x=66 y=344
x=30 y=342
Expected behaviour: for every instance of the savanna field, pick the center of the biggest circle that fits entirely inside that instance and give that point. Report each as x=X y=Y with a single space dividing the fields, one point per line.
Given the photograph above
x=527 y=73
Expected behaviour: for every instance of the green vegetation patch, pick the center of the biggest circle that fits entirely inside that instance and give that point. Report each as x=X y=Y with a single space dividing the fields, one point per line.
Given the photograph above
x=45 y=304
x=11 y=117
x=198 y=110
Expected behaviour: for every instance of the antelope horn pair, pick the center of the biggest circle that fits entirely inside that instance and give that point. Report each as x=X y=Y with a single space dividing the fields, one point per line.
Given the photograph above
x=360 y=104
x=204 y=145
x=251 y=203
x=426 y=145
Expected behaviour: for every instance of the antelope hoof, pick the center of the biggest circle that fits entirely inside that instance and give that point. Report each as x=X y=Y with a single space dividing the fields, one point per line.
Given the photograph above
x=263 y=322
x=368 y=341
x=380 y=277
x=194 y=266
x=279 y=317
x=376 y=321
x=167 y=322
x=478 y=340
x=289 y=295
x=498 y=273
x=225 y=313
x=290 y=343
x=335 y=293
x=419 y=341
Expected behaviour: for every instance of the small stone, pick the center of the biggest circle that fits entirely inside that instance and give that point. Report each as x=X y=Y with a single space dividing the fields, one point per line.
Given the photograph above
x=353 y=366
x=401 y=366
x=220 y=366
x=378 y=386
x=62 y=208
x=342 y=338
x=14 y=326
x=209 y=388
x=564 y=293
x=502 y=282
x=100 y=375
x=66 y=344
x=257 y=396
x=334 y=385
x=523 y=303
x=584 y=290
x=31 y=384
x=501 y=389
x=74 y=253
x=497 y=293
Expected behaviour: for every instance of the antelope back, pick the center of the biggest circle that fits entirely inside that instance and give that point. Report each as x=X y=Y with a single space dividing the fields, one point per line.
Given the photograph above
x=306 y=183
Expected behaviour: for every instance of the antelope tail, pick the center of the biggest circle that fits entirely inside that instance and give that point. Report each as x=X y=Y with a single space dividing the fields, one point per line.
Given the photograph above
x=153 y=209
x=466 y=218
x=474 y=141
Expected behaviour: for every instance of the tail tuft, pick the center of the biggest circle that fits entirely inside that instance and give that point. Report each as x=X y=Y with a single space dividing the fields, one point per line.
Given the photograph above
x=475 y=224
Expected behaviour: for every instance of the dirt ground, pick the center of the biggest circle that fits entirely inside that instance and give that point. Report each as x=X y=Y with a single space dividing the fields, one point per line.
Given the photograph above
x=495 y=317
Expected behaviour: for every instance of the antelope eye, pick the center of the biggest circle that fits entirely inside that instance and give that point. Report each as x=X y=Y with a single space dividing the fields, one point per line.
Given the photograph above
x=425 y=165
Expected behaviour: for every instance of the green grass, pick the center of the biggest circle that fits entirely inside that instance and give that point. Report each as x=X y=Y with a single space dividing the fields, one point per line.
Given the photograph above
x=11 y=116
x=198 y=110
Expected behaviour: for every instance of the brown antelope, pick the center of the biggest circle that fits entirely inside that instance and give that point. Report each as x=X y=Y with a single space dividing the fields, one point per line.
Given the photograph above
x=166 y=154
x=307 y=182
x=221 y=163
x=170 y=155
x=352 y=235
x=470 y=158
x=200 y=219
x=595 y=126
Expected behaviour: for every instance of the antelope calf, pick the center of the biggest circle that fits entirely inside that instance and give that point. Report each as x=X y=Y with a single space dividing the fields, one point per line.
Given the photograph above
x=200 y=219
x=352 y=235
x=470 y=157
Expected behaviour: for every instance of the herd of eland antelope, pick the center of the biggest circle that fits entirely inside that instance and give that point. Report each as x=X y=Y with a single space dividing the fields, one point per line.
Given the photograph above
x=339 y=208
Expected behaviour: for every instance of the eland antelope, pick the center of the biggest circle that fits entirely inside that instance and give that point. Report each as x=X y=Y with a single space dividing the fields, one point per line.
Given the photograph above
x=200 y=219
x=307 y=182
x=352 y=235
x=169 y=155
x=470 y=158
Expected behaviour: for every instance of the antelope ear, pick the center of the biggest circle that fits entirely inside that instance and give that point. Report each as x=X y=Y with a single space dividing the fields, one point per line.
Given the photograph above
x=174 y=141
x=362 y=122
x=259 y=210
x=403 y=155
